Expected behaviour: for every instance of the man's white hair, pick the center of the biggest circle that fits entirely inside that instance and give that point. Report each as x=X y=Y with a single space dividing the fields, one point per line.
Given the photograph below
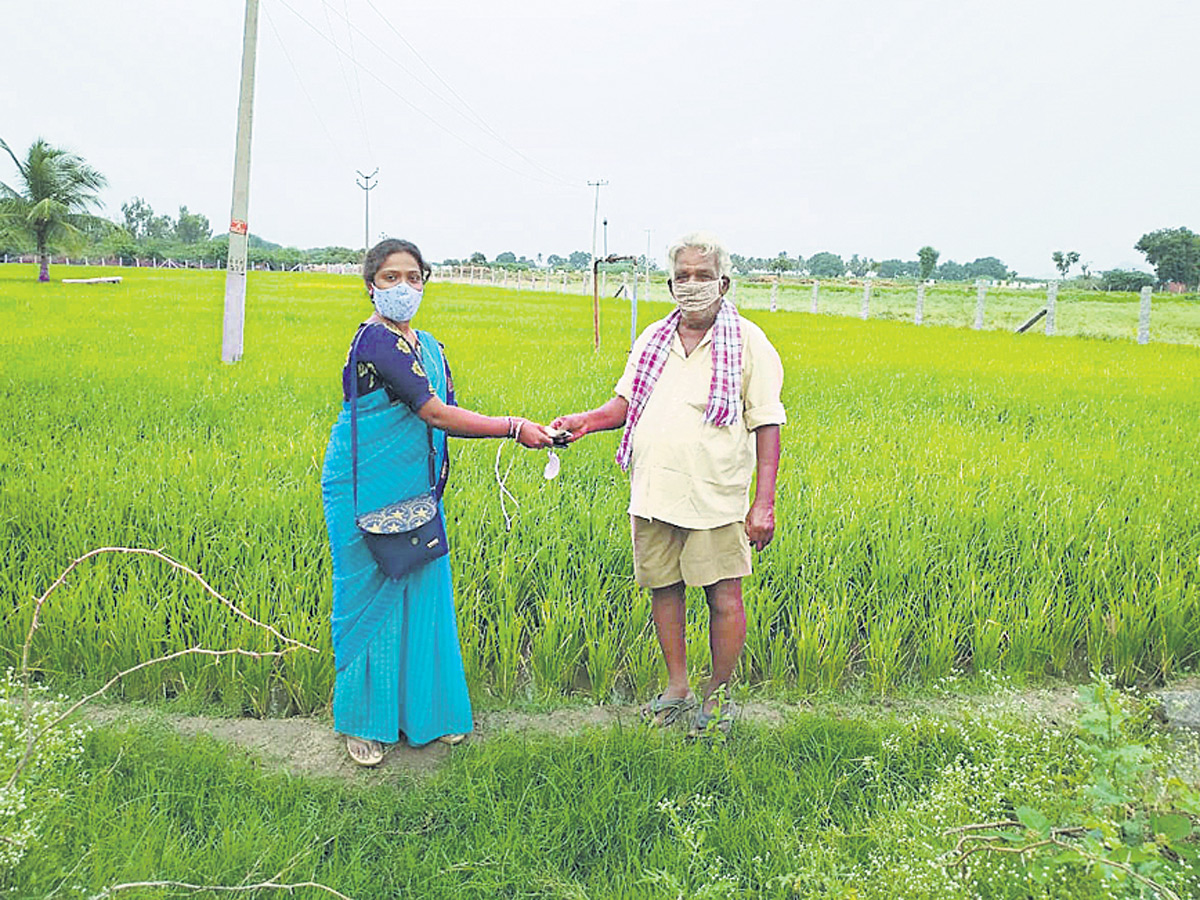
x=708 y=244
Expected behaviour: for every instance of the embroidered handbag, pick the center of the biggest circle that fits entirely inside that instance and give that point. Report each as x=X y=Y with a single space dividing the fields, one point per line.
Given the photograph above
x=407 y=534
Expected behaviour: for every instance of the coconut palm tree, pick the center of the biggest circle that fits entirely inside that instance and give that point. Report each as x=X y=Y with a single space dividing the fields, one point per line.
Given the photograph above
x=55 y=189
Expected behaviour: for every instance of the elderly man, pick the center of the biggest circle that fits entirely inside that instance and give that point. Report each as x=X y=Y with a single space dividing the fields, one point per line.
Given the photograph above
x=699 y=402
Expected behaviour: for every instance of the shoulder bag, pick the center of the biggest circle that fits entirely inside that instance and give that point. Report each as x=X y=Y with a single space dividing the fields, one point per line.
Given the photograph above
x=407 y=534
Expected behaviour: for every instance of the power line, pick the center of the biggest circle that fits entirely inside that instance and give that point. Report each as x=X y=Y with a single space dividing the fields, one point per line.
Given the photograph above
x=355 y=109
x=403 y=99
x=479 y=119
x=316 y=110
x=357 y=84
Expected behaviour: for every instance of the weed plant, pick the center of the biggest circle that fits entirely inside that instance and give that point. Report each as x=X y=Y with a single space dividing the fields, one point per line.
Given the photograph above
x=947 y=498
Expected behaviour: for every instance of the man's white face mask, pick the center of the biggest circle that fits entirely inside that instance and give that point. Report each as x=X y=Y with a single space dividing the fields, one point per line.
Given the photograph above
x=696 y=296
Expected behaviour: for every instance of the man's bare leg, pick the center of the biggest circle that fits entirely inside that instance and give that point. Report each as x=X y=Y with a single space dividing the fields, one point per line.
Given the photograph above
x=669 y=610
x=726 y=634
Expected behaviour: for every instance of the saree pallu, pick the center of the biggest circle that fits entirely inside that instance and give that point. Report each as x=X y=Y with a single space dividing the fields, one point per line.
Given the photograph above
x=395 y=641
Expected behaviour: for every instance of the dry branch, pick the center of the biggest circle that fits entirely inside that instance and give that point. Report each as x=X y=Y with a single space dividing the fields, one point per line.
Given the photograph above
x=33 y=738
x=984 y=843
x=193 y=888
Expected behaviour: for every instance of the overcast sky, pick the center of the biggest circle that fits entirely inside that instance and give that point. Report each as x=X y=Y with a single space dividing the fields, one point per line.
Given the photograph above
x=1011 y=128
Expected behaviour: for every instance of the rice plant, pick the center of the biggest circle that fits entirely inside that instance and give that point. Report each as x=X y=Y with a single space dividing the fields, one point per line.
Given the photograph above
x=948 y=499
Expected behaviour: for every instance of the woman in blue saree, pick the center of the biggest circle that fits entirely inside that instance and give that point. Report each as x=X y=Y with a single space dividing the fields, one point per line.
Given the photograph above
x=398 y=664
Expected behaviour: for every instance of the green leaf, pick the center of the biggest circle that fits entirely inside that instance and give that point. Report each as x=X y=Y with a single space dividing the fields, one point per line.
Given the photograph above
x=1172 y=826
x=1186 y=851
x=1133 y=830
x=1032 y=819
x=1067 y=856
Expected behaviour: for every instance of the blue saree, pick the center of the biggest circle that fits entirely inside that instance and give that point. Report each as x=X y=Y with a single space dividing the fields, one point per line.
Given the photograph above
x=398 y=663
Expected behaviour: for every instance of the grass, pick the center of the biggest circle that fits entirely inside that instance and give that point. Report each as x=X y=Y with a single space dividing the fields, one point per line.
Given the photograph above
x=519 y=816
x=948 y=499
x=815 y=807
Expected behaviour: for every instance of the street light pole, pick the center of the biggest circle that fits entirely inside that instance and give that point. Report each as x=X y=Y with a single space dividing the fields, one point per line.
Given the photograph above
x=239 y=231
x=367 y=187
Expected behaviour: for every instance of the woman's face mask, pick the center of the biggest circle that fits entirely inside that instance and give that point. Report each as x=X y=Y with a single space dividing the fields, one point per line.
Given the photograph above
x=398 y=302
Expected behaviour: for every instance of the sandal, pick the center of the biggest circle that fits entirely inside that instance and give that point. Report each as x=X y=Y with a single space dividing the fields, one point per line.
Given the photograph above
x=452 y=739
x=366 y=753
x=722 y=715
x=662 y=712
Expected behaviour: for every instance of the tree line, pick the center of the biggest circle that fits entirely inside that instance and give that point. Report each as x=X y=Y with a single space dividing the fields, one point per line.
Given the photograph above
x=49 y=208
x=580 y=261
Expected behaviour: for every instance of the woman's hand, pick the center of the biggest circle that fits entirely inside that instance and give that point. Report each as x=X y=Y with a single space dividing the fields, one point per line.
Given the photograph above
x=532 y=435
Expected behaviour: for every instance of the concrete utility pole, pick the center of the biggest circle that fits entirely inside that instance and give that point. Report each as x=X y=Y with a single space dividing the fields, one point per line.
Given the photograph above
x=239 y=229
x=367 y=187
x=595 y=216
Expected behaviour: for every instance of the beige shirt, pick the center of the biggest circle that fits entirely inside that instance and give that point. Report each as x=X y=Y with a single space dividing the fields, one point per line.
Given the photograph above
x=685 y=471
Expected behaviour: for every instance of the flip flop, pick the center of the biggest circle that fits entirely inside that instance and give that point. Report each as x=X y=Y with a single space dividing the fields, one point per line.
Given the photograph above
x=452 y=739
x=663 y=712
x=723 y=716
x=370 y=752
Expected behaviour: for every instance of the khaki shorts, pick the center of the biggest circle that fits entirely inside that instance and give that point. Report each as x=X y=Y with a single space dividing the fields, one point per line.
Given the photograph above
x=665 y=554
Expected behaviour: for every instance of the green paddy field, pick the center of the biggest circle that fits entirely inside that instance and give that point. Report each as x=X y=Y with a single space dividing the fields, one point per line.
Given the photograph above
x=953 y=505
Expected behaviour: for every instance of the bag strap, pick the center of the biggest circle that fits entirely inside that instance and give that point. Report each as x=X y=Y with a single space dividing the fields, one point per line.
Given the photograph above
x=354 y=426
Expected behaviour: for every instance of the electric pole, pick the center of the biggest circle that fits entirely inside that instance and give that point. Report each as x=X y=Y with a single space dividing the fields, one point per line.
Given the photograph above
x=595 y=215
x=239 y=229
x=367 y=187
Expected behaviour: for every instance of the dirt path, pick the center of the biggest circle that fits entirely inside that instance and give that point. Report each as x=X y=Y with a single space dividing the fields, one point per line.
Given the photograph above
x=309 y=746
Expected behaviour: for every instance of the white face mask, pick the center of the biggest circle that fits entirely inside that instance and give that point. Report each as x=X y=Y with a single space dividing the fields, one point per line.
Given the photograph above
x=696 y=296
x=398 y=302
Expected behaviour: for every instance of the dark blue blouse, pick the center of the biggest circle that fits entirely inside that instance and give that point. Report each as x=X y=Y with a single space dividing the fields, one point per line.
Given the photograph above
x=387 y=361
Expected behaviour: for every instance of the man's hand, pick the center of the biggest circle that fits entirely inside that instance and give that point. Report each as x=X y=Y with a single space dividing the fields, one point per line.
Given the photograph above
x=576 y=423
x=760 y=525
x=602 y=418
